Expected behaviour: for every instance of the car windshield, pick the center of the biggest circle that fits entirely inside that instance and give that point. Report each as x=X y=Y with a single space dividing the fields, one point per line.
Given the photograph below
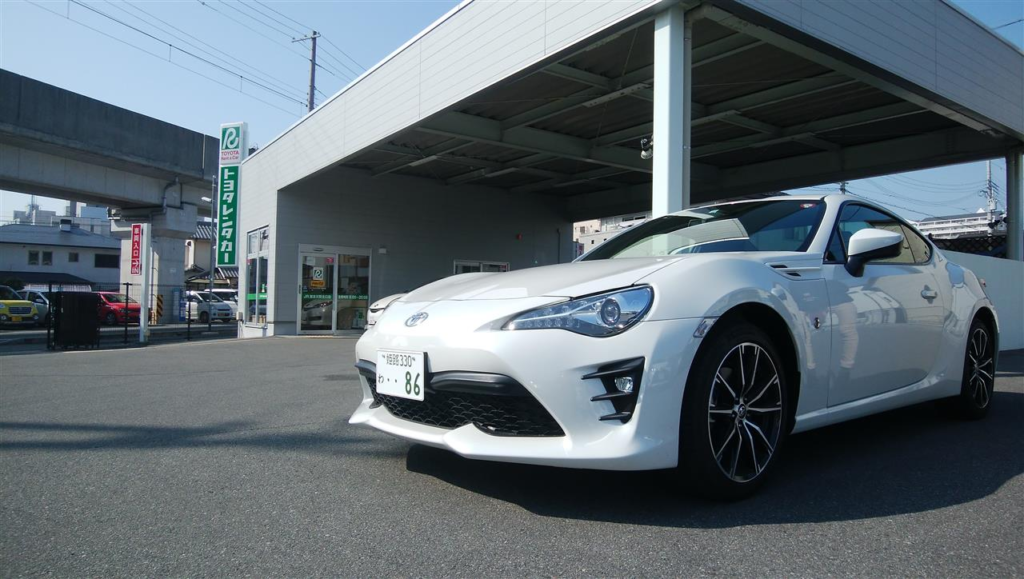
x=118 y=298
x=208 y=297
x=786 y=225
x=7 y=293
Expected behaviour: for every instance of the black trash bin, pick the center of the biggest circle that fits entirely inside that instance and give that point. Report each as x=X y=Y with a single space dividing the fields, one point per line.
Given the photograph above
x=76 y=320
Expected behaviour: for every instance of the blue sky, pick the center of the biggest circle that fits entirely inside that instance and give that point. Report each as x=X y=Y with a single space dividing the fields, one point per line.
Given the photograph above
x=90 y=54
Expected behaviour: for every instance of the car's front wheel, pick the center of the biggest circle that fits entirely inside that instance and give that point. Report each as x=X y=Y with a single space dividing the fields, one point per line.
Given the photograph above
x=111 y=319
x=733 y=421
x=978 y=381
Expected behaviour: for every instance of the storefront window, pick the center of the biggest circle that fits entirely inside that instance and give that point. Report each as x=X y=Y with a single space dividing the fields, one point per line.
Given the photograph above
x=353 y=291
x=317 y=293
x=473 y=266
x=257 y=268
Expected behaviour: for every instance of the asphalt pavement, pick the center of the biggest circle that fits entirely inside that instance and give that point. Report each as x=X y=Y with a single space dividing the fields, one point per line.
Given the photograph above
x=231 y=458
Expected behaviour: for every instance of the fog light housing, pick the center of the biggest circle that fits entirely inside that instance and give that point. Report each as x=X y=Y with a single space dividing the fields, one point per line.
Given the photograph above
x=3 y=317
x=624 y=384
x=621 y=381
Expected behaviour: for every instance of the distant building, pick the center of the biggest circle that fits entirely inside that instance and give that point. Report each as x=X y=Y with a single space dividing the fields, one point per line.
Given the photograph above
x=590 y=234
x=963 y=225
x=197 y=261
x=63 y=253
x=33 y=215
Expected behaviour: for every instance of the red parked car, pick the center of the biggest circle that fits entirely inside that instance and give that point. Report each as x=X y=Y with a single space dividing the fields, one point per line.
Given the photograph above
x=114 y=307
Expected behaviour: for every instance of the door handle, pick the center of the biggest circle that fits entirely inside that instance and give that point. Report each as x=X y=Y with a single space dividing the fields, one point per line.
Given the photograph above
x=929 y=294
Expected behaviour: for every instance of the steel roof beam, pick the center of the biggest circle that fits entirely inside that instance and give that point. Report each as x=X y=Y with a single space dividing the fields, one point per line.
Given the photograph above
x=957 y=145
x=629 y=84
x=464 y=126
x=806 y=132
x=782 y=93
x=419 y=156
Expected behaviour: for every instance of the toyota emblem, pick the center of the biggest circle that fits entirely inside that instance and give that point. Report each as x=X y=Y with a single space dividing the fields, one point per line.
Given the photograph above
x=416 y=319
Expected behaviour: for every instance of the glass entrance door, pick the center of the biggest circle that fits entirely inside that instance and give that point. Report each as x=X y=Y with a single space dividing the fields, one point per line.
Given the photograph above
x=353 y=291
x=317 y=295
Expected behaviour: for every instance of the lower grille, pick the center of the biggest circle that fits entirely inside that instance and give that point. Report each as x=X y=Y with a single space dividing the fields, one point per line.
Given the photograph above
x=20 y=310
x=450 y=403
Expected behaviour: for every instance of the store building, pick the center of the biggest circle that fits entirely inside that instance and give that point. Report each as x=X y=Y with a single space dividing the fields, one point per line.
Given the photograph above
x=62 y=253
x=478 y=143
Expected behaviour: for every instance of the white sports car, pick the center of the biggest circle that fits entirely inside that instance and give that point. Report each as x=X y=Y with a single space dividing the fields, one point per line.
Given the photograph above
x=701 y=340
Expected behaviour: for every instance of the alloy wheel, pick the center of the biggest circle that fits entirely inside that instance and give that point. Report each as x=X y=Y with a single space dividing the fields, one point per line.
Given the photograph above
x=745 y=413
x=980 y=362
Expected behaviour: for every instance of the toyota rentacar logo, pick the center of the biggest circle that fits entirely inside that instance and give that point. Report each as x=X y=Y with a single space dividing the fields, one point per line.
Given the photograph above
x=416 y=319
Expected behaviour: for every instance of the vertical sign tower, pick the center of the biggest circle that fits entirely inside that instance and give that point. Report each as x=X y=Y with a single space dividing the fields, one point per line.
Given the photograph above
x=233 y=143
x=136 y=249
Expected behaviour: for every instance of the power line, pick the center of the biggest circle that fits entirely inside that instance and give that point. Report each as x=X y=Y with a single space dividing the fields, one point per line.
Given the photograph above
x=338 y=61
x=250 y=6
x=241 y=78
x=218 y=54
x=183 y=51
x=1008 y=24
x=281 y=44
x=304 y=27
x=887 y=204
x=338 y=48
x=283 y=15
x=251 y=17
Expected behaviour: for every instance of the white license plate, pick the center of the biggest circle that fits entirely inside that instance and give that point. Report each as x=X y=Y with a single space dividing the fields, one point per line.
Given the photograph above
x=400 y=374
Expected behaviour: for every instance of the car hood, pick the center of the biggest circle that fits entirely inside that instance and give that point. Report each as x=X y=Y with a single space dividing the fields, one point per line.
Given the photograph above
x=564 y=280
x=16 y=303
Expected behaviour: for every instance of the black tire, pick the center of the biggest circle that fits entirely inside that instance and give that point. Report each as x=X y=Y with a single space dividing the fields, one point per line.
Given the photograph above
x=111 y=319
x=978 y=382
x=719 y=409
x=204 y=317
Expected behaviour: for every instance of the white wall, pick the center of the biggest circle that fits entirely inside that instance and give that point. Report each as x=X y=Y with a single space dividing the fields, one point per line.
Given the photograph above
x=1005 y=281
x=14 y=257
x=422 y=225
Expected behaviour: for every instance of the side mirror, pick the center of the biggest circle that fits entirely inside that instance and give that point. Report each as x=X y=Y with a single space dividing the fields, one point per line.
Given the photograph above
x=871 y=244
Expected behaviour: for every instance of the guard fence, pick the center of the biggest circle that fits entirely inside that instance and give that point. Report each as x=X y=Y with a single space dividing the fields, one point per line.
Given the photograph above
x=109 y=315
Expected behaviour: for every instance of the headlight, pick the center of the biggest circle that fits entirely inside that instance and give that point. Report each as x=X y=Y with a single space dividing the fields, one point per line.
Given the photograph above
x=600 y=315
x=3 y=306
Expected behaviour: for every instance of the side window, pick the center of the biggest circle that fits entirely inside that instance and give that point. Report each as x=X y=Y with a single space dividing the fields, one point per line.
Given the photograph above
x=857 y=217
x=922 y=251
x=835 y=252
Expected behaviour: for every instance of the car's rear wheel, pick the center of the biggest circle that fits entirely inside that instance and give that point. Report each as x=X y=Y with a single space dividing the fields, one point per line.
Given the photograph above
x=978 y=381
x=734 y=417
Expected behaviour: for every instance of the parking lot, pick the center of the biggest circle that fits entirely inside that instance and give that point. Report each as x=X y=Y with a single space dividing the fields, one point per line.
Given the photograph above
x=235 y=458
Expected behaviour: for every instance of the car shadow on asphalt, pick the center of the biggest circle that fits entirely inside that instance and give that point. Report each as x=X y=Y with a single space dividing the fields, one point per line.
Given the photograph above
x=909 y=460
x=331 y=438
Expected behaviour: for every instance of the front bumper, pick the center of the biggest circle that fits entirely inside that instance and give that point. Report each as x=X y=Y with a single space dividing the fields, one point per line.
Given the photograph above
x=550 y=365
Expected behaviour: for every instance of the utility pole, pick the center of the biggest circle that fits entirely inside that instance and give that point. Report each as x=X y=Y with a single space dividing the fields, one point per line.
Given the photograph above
x=312 y=66
x=990 y=197
x=214 y=207
x=842 y=187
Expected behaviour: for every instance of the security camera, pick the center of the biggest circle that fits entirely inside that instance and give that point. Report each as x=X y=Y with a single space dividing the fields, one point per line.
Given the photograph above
x=647 y=148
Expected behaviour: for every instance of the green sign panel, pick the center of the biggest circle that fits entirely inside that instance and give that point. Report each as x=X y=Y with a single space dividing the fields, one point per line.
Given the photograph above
x=232 y=152
x=227 y=213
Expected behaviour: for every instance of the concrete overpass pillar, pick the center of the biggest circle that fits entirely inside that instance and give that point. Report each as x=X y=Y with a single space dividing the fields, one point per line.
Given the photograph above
x=1014 y=206
x=670 y=187
x=169 y=231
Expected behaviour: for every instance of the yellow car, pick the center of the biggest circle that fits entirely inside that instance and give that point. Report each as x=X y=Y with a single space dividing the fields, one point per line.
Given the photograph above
x=14 y=310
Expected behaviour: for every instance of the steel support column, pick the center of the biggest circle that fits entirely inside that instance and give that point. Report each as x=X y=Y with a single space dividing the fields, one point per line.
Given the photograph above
x=1014 y=206
x=670 y=187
